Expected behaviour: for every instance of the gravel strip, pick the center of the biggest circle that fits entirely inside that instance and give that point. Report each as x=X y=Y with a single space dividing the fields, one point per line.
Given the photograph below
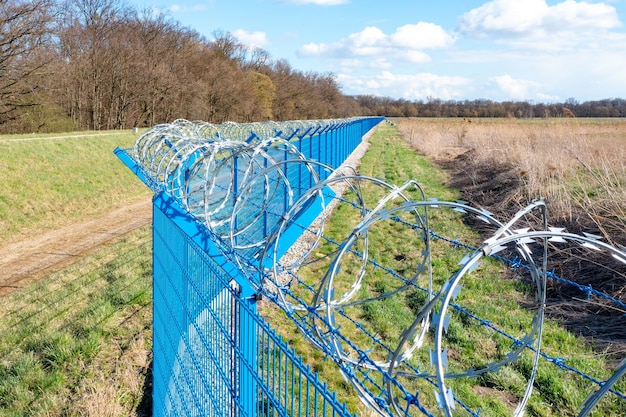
x=305 y=244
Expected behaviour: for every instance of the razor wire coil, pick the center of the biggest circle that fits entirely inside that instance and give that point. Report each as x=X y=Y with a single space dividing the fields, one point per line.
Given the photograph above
x=249 y=183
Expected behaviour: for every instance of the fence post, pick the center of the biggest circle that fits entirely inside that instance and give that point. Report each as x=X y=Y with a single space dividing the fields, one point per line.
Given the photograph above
x=248 y=341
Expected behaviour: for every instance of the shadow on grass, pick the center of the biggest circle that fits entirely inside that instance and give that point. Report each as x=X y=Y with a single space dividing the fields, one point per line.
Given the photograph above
x=144 y=409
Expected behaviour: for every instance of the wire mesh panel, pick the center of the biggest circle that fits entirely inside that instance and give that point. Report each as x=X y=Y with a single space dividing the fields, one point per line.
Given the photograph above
x=213 y=354
x=195 y=366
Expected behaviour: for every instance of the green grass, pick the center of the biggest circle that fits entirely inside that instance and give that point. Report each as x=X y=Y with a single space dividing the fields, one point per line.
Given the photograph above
x=487 y=293
x=77 y=342
x=57 y=179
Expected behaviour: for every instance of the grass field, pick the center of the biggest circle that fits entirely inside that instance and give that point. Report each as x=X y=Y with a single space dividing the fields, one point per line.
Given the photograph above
x=55 y=179
x=78 y=342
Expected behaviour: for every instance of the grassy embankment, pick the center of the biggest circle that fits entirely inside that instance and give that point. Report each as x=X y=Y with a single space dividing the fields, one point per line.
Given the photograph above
x=77 y=341
x=52 y=180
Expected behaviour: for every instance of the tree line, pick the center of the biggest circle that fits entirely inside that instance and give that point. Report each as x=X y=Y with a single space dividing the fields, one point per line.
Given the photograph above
x=389 y=107
x=102 y=64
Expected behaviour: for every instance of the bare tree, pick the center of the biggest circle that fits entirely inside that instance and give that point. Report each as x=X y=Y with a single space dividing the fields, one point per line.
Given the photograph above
x=86 y=32
x=109 y=66
x=25 y=33
x=228 y=47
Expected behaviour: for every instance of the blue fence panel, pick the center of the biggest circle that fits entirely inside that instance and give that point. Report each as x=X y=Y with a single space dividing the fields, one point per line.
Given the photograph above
x=194 y=365
x=213 y=354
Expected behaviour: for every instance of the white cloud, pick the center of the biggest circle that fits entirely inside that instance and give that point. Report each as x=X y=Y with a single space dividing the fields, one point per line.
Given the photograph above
x=349 y=66
x=314 y=49
x=317 y=2
x=408 y=86
x=591 y=72
x=503 y=16
x=253 y=39
x=177 y=8
x=516 y=89
x=368 y=37
x=380 y=63
x=416 y=57
x=536 y=19
x=422 y=36
x=406 y=43
x=575 y=15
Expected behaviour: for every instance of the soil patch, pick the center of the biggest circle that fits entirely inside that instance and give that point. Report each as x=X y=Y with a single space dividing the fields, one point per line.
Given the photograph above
x=492 y=186
x=28 y=261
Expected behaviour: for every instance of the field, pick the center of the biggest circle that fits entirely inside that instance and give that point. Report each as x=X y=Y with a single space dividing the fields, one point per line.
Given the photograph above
x=486 y=294
x=78 y=342
x=577 y=165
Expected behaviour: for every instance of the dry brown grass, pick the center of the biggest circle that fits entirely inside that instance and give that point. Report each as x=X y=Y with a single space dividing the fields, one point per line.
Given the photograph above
x=577 y=165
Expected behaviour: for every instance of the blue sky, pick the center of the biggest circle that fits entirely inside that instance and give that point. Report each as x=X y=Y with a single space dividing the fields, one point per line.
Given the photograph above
x=534 y=50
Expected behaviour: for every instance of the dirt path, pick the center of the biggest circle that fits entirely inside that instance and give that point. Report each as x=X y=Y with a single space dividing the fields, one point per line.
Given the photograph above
x=25 y=262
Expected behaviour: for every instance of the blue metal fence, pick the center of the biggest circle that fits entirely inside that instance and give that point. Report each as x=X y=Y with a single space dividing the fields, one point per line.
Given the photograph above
x=218 y=242
x=214 y=355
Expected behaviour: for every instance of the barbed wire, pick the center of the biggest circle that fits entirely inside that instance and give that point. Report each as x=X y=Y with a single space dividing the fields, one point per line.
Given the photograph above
x=254 y=190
